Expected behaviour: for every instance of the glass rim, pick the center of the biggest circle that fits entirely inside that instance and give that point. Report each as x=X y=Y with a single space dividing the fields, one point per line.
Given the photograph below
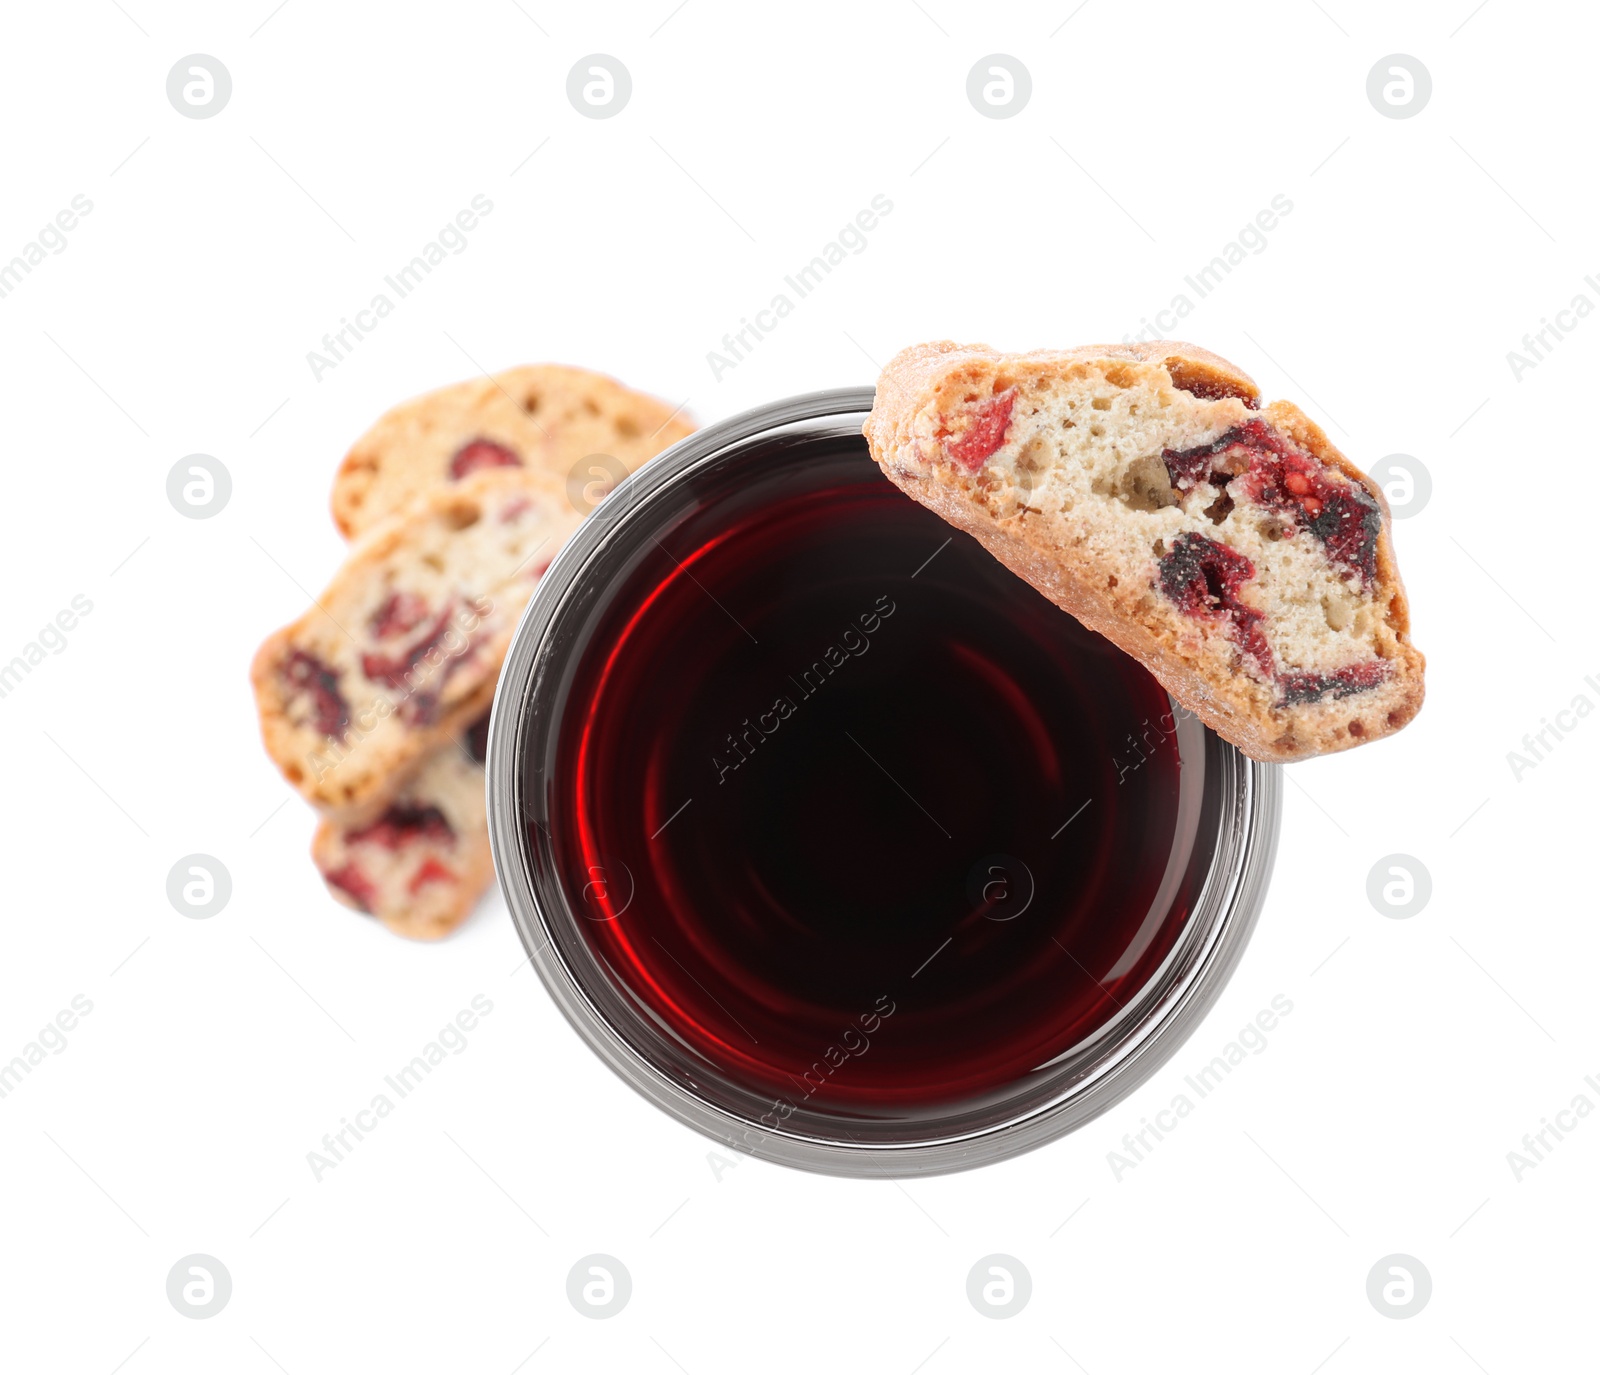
x=1114 y=1060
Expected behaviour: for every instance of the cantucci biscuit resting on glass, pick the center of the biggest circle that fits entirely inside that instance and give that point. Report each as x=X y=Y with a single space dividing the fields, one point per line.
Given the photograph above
x=1143 y=488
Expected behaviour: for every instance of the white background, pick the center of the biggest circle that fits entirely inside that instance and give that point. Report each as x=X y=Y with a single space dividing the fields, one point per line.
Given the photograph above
x=218 y=1052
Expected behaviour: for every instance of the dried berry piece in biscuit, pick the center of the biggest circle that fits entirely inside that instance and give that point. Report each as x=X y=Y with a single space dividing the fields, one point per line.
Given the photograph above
x=477 y=454
x=313 y=691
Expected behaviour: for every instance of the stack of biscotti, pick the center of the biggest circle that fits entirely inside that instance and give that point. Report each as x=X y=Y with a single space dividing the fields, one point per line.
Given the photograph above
x=374 y=703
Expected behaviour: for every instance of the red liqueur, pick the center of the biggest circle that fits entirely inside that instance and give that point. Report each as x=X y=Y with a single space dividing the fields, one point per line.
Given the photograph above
x=856 y=819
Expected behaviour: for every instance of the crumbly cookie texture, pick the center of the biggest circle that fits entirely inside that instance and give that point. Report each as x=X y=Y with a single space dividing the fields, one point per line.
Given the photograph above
x=403 y=649
x=547 y=418
x=1230 y=548
x=422 y=865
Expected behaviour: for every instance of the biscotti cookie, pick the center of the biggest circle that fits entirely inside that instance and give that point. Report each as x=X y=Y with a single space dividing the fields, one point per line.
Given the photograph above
x=545 y=417
x=1231 y=549
x=403 y=649
x=421 y=867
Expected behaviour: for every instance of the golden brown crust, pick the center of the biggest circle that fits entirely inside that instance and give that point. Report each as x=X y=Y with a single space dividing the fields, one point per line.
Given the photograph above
x=925 y=370
x=930 y=381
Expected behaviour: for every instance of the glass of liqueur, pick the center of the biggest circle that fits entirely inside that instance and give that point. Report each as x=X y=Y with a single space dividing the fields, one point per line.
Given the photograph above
x=838 y=841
